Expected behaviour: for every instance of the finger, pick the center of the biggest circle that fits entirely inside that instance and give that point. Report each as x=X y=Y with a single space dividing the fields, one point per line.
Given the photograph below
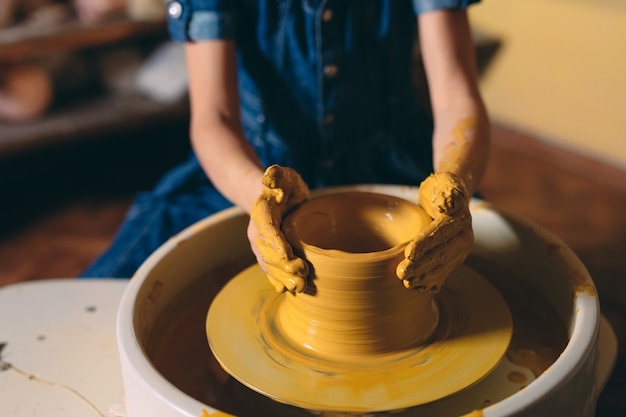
x=430 y=273
x=278 y=286
x=453 y=251
x=438 y=232
x=279 y=254
x=434 y=278
x=458 y=245
x=286 y=260
x=430 y=281
x=285 y=275
x=275 y=250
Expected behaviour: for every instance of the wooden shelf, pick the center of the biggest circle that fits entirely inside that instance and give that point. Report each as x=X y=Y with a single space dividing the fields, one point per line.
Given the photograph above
x=94 y=116
x=97 y=117
x=28 y=41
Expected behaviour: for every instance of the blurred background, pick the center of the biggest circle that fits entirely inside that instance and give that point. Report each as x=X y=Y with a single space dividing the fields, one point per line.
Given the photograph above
x=561 y=74
x=93 y=109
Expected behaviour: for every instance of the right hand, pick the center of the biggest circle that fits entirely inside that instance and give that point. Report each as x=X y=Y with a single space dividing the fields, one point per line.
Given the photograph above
x=446 y=242
x=283 y=189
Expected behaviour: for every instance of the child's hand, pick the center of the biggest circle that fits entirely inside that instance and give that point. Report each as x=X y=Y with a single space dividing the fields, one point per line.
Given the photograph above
x=445 y=243
x=283 y=189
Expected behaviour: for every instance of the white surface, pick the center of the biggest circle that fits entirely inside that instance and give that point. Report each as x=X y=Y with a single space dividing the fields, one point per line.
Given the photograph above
x=62 y=332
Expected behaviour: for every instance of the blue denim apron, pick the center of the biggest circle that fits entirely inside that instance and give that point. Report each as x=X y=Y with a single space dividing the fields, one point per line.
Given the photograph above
x=325 y=88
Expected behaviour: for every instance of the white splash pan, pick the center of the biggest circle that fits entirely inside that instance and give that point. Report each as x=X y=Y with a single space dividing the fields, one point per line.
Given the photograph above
x=569 y=387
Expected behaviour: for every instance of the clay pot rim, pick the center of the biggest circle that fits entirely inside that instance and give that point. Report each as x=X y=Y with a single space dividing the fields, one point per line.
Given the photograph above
x=309 y=249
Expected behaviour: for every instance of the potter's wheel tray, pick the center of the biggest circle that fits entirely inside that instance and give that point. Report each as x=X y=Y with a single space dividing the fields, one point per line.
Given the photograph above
x=472 y=336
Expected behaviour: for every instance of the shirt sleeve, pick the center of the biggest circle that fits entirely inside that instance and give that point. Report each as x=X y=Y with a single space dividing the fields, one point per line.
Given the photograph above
x=194 y=20
x=421 y=6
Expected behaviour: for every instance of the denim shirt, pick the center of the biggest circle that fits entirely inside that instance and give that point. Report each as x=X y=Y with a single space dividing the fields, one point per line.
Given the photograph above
x=325 y=85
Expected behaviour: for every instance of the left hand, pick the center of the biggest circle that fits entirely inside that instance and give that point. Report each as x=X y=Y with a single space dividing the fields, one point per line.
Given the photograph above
x=283 y=189
x=446 y=242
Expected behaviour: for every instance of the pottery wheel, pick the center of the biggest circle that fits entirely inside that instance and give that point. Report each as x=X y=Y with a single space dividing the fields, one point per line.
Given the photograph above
x=472 y=337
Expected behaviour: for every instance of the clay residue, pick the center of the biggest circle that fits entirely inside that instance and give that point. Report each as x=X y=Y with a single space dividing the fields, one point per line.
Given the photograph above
x=456 y=151
x=214 y=413
x=517 y=377
x=581 y=283
x=155 y=292
x=536 y=359
x=475 y=413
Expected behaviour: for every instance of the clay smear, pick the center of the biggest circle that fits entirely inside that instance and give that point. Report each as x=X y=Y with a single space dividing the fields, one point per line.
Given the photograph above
x=354 y=305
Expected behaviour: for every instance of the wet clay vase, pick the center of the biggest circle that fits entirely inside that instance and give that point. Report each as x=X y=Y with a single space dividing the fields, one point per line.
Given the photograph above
x=354 y=305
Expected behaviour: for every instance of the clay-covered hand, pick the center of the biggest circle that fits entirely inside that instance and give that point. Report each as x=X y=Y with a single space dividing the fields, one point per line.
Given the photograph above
x=445 y=243
x=283 y=189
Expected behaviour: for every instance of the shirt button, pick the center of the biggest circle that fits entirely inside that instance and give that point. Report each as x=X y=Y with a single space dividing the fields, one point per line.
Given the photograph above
x=330 y=71
x=174 y=9
x=329 y=118
x=327 y=15
x=260 y=119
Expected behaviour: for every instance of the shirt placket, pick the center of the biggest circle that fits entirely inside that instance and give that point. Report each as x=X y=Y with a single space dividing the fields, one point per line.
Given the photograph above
x=329 y=69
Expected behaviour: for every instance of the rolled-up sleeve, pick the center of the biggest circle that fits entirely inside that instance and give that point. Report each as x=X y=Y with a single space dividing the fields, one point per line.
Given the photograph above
x=421 y=6
x=194 y=20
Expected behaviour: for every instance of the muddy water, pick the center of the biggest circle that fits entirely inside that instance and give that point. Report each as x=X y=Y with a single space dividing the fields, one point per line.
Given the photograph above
x=181 y=352
x=539 y=336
